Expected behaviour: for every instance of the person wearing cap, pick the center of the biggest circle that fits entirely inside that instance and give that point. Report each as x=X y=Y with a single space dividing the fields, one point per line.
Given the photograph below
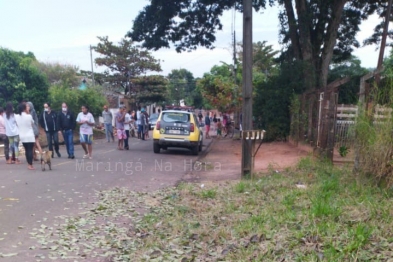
x=107 y=116
x=121 y=133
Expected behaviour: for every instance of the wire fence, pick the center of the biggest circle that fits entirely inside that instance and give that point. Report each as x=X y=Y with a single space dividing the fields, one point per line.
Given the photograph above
x=346 y=117
x=345 y=120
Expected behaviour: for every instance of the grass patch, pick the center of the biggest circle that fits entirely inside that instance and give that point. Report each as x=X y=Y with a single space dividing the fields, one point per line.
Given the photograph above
x=333 y=216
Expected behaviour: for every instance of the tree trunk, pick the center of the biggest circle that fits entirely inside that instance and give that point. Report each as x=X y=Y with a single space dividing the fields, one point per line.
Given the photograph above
x=305 y=43
x=330 y=42
x=292 y=28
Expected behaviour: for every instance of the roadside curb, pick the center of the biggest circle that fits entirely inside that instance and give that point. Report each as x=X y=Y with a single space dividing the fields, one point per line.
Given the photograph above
x=190 y=176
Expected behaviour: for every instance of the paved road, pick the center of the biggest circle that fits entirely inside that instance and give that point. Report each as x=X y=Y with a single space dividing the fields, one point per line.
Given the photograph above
x=29 y=199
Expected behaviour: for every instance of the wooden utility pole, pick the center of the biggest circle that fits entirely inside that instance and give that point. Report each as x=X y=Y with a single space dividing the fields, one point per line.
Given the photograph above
x=247 y=145
x=384 y=34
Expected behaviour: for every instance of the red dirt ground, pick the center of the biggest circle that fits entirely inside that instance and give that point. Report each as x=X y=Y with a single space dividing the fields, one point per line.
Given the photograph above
x=223 y=162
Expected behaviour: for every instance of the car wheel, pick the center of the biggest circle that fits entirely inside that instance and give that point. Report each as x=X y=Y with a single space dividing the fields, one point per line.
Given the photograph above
x=195 y=150
x=200 y=146
x=156 y=148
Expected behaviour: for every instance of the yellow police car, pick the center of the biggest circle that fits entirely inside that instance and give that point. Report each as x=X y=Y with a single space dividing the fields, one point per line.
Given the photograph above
x=176 y=128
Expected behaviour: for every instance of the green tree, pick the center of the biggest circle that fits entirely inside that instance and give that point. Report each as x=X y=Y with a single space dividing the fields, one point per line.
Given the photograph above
x=219 y=89
x=66 y=75
x=349 y=92
x=311 y=30
x=149 y=89
x=93 y=97
x=20 y=78
x=376 y=37
x=182 y=85
x=124 y=63
x=263 y=58
x=272 y=99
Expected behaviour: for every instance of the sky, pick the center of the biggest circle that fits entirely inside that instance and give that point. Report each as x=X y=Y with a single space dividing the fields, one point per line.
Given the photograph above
x=59 y=31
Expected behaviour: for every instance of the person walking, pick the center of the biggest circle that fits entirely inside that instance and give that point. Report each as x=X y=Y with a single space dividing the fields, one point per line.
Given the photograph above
x=26 y=133
x=146 y=124
x=67 y=125
x=86 y=121
x=108 y=120
x=36 y=131
x=3 y=136
x=200 y=116
x=48 y=121
x=127 y=123
x=207 y=125
x=143 y=124
x=138 y=122
x=12 y=132
x=121 y=134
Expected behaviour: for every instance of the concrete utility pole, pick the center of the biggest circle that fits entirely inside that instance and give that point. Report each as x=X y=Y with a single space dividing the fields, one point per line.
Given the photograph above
x=247 y=148
x=91 y=59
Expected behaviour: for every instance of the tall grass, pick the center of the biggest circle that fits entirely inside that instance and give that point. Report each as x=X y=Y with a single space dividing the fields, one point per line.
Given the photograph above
x=374 y=136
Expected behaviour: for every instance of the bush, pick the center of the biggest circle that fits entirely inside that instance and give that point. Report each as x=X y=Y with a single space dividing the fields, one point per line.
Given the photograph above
x=374 y=140
x=92 y=97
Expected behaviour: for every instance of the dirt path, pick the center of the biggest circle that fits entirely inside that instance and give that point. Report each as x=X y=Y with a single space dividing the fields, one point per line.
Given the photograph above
x=223 y=162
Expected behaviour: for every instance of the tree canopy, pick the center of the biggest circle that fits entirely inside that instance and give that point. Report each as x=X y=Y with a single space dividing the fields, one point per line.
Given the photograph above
x=186 y=24
x=125 y=62
x=311 y=30
x=20 y=78
x=182 y=86
x=66 y=75
x=219 y=89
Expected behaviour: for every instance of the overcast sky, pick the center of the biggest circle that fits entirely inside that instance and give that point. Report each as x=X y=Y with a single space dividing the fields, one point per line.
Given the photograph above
x=62 y=31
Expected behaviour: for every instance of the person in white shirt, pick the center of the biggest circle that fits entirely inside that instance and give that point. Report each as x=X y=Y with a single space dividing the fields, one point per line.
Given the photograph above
x=26 y=133
x=138 y=122
x=127 y=122
x=12 y=132
x=86 y=120
x=3 y=136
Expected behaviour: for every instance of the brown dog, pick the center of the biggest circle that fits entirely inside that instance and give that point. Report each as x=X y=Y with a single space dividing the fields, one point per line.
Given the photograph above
x=46 y=160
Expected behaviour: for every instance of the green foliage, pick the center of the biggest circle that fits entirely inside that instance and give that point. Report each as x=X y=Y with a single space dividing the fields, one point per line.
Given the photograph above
x=334 y=216
x=182 y=85
x=65 y=75
x=272 y=99
x=263 y=58
x=92 y=97
x=348 y=92
x=209 y=193
x=343 y=151
x=374 y=141
x=124 y=62
x=20 y=78
x=219 y=89
x=149 y=89
x=185 y=24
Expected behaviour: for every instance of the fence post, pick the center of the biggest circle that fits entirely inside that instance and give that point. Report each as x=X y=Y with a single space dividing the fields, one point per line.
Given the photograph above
x=331 y=126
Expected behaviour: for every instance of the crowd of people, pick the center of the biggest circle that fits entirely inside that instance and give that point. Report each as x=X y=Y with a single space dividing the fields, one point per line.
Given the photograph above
x=24 y=128
x=127 y=124
x=214 y=123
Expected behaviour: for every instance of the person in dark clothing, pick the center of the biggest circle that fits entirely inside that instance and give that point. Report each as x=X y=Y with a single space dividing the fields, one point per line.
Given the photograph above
x=48 y=121
x=67 y=123
x=207 y=125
